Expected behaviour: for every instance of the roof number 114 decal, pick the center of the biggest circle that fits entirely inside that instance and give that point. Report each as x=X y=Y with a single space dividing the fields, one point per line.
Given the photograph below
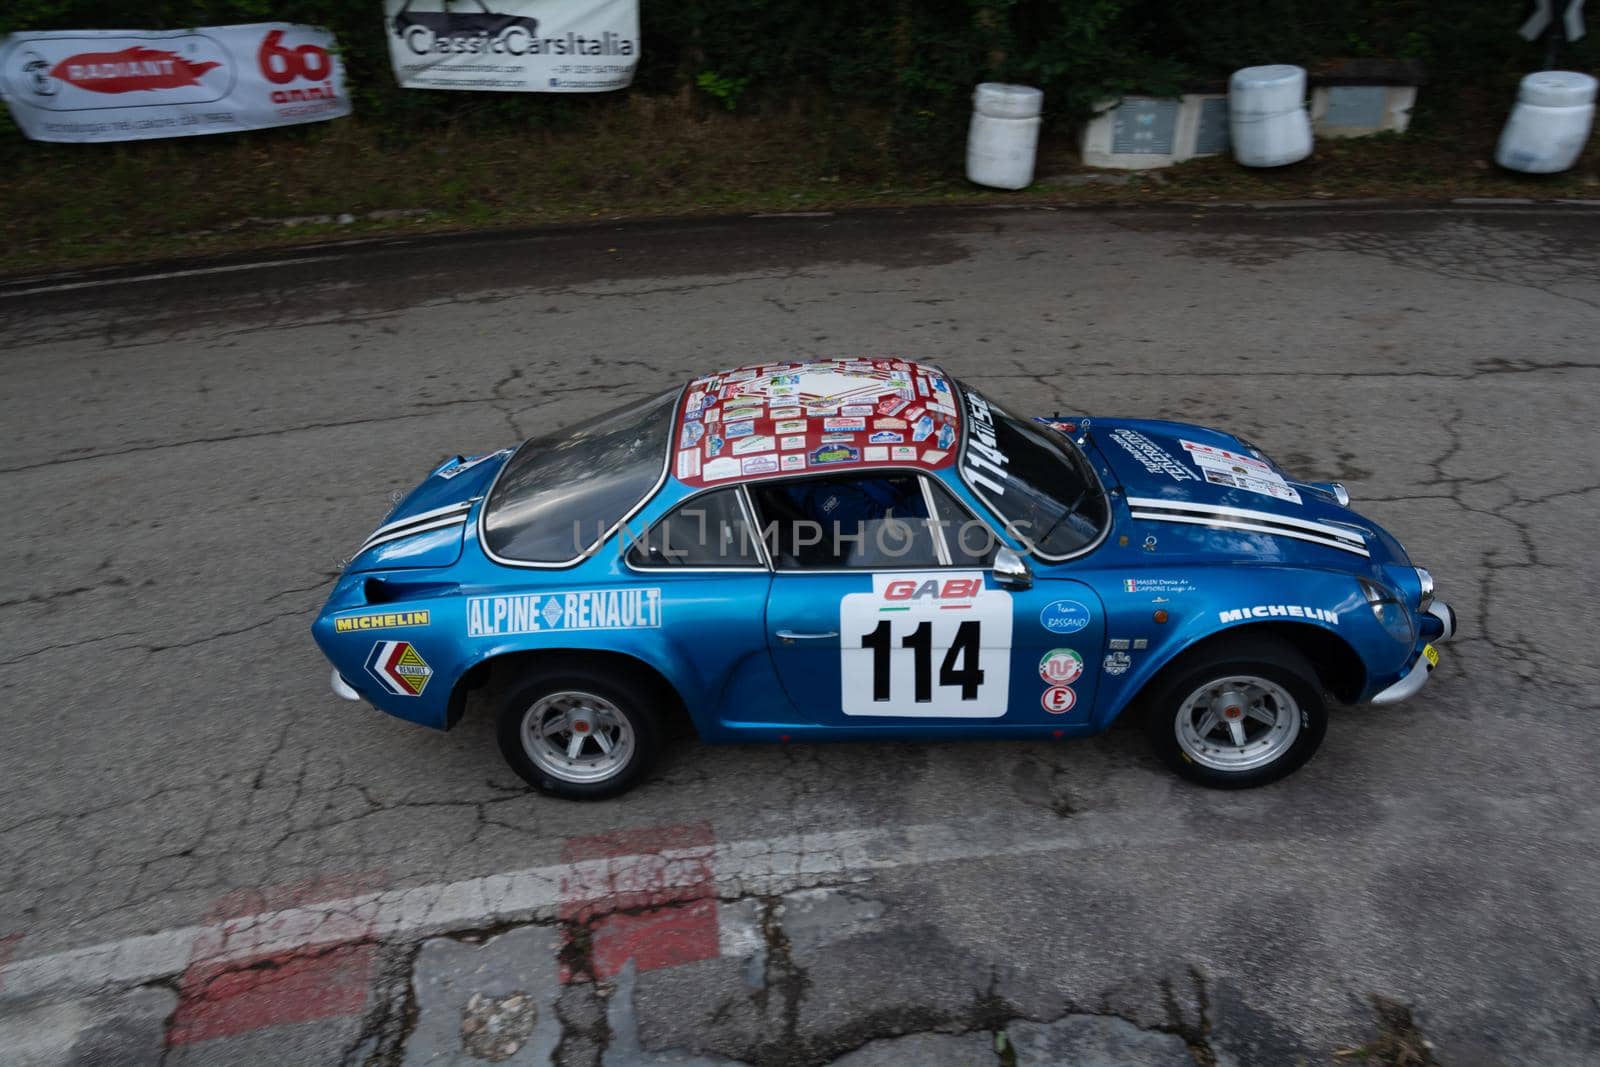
x=926 y=645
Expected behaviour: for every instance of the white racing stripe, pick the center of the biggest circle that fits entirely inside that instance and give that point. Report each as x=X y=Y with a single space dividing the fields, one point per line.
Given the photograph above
x=437 y=524
x=163 y=276
x=757 y=866
x=448 y=509
x=1218 y=522
x=1325 y=529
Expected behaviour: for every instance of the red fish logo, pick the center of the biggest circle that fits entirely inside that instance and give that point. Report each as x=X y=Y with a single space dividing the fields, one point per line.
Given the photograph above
x=130 y=70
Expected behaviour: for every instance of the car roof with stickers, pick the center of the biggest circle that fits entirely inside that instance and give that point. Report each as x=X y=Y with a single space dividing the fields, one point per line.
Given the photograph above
x=826 y=416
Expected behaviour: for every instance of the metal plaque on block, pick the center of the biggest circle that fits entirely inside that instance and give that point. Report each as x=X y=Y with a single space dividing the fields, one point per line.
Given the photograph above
x=1355 y=107
x=1211 y=136
x=1143 y=127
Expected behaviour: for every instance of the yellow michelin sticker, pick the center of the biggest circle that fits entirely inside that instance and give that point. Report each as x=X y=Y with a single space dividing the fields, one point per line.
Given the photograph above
x=1432 y=654
x=355 y=623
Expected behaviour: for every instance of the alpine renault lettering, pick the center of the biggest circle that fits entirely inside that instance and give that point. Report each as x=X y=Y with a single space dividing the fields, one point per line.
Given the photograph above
x=868 y=548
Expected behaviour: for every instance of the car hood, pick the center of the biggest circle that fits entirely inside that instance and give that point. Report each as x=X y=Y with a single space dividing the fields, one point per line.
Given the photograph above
x=1174 y=472
x=426 y=528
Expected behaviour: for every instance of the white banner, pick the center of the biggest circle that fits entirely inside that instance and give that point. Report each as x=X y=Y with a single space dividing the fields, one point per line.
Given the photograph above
x=129 y=85
x=519 y=46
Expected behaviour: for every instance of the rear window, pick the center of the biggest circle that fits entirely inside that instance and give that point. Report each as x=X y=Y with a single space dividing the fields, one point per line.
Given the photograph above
x=560 y=496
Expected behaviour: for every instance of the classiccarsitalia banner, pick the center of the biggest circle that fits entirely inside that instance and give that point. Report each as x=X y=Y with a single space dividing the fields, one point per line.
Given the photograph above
x=520 y=46
x=128 y=85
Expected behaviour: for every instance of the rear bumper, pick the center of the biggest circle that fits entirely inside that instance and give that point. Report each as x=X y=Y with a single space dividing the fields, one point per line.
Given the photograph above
x=1439 y=626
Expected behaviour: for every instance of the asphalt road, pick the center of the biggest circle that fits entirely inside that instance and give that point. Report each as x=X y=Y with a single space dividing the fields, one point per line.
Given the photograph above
x=187 y=457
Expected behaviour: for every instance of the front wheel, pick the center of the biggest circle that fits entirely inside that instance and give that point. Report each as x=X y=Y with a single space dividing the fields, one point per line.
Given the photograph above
x=1242 y=714
x=579 y=735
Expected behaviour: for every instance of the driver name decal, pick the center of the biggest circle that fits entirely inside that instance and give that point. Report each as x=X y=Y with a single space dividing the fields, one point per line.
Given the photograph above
x=926 y=645
x=593 y=609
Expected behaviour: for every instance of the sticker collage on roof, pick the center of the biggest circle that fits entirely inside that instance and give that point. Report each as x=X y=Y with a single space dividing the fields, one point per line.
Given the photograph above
x=838 y=414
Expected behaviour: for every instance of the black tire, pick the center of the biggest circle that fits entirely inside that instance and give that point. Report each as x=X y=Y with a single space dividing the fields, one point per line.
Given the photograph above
x=623 y=694
x=1273 y=661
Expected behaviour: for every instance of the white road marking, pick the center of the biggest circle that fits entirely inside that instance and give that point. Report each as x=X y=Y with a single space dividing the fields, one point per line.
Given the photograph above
x=164 y=275
x=751 y=867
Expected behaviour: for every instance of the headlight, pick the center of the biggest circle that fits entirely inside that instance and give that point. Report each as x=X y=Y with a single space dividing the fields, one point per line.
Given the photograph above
x=1390 y=612
x=1426 y=581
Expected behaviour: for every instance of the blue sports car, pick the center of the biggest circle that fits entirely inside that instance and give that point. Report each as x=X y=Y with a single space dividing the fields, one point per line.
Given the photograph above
x=868 y=548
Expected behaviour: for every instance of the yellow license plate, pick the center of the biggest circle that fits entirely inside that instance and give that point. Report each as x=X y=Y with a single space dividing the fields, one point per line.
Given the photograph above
x=1432 y=654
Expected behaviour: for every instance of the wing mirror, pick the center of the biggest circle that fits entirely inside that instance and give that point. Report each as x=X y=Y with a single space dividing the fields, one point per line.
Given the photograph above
x=1011 y=570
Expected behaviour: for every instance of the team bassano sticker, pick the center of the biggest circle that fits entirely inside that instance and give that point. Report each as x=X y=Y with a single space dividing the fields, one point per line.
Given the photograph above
x=399 y=668
x=1064 y=617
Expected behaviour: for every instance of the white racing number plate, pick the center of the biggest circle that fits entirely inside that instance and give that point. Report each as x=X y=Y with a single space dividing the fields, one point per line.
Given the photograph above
x=933 y=644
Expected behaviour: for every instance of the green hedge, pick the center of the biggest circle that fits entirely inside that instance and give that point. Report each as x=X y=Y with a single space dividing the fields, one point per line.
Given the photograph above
x=914 y=61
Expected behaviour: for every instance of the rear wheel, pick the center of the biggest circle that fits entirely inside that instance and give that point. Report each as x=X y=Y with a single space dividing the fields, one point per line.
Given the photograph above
x=579 y=734
x=1238 y=714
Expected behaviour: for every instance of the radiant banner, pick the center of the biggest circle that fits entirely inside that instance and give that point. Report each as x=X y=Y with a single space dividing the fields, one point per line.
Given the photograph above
x=128 y=85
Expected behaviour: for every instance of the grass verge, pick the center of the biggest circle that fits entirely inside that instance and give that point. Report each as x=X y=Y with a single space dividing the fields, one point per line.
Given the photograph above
x=640 y=156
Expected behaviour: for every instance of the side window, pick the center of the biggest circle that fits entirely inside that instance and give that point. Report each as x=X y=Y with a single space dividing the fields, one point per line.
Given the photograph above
x=847 y=522
x=708 y=530
x=971 y=542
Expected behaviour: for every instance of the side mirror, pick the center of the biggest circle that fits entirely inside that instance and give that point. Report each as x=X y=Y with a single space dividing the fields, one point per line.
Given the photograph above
x=1011 y=570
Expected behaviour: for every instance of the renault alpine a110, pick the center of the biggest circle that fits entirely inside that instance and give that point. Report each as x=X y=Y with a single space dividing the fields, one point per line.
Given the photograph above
x=869 y=549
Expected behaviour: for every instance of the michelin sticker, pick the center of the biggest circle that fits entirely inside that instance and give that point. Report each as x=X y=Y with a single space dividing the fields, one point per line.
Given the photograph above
x=595 y=609
x=1280 y=611
x=933 y=644
x=379 y=621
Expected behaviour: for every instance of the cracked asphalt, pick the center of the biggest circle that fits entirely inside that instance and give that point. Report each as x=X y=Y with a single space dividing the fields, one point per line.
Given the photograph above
x=188 y=457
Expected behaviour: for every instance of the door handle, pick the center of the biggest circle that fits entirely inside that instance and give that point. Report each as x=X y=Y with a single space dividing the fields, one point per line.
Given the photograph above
x=790 y=635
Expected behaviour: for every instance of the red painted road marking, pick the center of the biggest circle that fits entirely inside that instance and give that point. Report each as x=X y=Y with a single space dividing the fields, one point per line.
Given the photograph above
x=8 y=946
x=664 y=937
x=222 y=996
x=659 y=914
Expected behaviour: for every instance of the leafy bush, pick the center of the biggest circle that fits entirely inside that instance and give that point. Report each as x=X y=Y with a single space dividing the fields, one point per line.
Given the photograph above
x=907 y=64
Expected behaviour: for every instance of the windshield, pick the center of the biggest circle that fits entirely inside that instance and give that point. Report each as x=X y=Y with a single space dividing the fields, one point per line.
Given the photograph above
x=561 y=495
x=1034 y=479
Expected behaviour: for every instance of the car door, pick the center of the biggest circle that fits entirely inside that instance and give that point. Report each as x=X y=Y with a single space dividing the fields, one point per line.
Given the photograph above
x=914 y=632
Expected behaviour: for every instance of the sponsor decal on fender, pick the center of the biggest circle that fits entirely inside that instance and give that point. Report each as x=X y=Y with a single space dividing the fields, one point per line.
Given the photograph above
x=1058 y=700
x=1060 y=666
x=1064 y=617
x=382 y=621
x=399 y=668
x=590 y=609
x=1158 y=585
x=1116 y=664
x=1280 y=611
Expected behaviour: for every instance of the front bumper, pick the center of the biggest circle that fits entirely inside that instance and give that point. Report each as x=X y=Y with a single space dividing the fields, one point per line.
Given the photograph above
x=1440 y=618
x=342 y=688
